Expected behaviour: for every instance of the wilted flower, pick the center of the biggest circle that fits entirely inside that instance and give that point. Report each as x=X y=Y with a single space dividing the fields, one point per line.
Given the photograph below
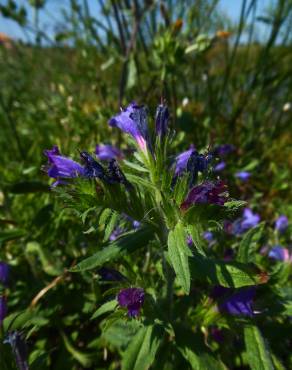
x=92 y=169
x=133 y=121
x=108 y=274
x=132 y=299
x=3 y=309
x=62 y=167
x=207 y=192
x=236 y=302
x=4 y=272
x=116 y=176
x=107 y=152
x=281 y=223
x=220 y=166
x=243 y=175
x=19 y=349
x=161 y=120
x=197 y=163
x=279 y=253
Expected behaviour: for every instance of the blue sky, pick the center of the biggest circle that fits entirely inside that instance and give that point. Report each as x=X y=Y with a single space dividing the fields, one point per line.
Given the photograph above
x=52 y=12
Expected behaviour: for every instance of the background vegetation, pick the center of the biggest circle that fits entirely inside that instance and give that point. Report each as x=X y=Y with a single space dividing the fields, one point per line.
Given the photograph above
x=223 y=84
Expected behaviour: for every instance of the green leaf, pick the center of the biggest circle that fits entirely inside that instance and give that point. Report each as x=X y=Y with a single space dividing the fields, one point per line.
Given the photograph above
x=84 y=359
x=196 y=232
x=7 y=235
x=228 y=274
x=179 y=254
x=111 y=224
x=249 y=244
x=191 y=346
x=234 y=205
x=142 y=350
x=105 y=308
x=258 y=354
x=126 y=244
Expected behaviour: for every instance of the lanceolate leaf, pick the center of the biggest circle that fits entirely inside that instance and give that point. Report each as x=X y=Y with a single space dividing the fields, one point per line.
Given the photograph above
x=258 y=354
x=192 y=347
x=105 y=308
x=142 y=350
x=228 y=274
x=179 y=254
x=126 y=244
x=249 y=243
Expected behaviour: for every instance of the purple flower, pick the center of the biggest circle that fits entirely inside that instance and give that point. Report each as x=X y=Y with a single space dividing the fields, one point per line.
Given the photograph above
x=220 y=166
x=107 y=274
x=243 y=175
x=189 y=241
x=62 y=167
x=133 y=121
x=19 y=349
x=208 y=235
x=107 y=152
x=161 y=120
x=132 y=299
x=222 y=150
x=116 y=233
x=182 y=161
x=236 y=302
x=207 y=192
x=248 y=221
x=4 y=273
x=281 y=223
x=279 y=253
x=136 y=224
x=3 y=309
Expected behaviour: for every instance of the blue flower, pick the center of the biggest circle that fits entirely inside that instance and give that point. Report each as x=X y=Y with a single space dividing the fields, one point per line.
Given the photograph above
x=133 y=121
x=281 y=223
x=237 y=302
x=243 y=175
x=220 y=166
x=248 y=221
x=3 y=309
x=107 y=152
x=208 y=235
x=132 y=299
x=279 y=253
x=62 y=167
x=161 y=120
x=182 y=161
x=4 y=273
